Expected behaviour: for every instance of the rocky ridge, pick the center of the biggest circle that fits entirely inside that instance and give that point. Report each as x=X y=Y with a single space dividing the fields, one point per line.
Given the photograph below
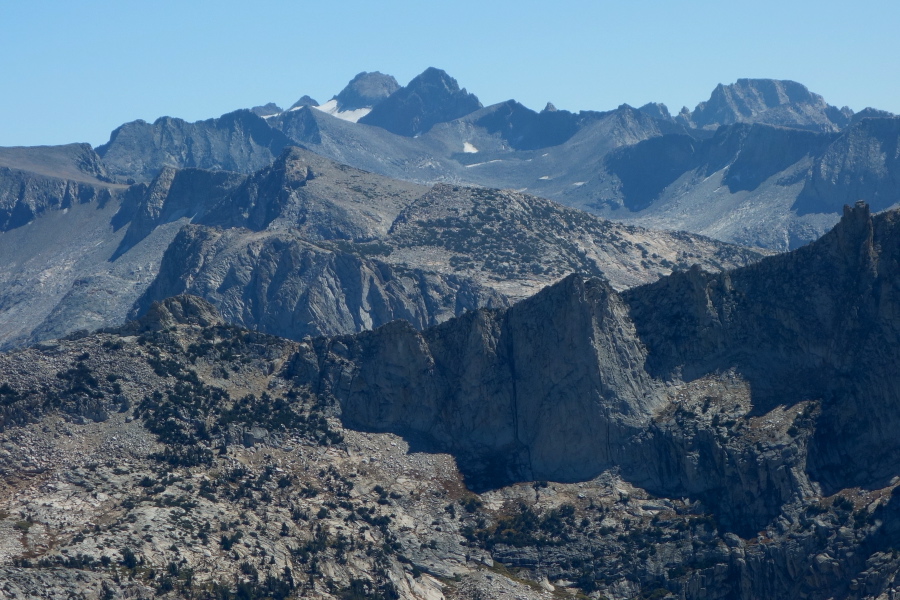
x=312 y=259
x=35 y=180
x=239 y=141
x=698 y=441
x=93 y=250
x=278 y=282
x=834 y=308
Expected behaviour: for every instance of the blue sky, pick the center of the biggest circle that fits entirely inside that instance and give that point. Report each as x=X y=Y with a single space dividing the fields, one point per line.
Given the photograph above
x=73 y=71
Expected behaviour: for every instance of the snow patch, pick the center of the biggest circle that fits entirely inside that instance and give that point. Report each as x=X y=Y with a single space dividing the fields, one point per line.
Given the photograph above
x=469 y=148
x=330 y=107
x=544 y=178
x=353 y=116
x=496 y=160
x=579 y=183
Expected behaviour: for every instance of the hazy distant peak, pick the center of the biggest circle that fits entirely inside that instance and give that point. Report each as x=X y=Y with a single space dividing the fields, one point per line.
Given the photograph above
x=657 y=110
x=434 y=76
x=267 y=110
x=304 y=101
x=771 y=101
x=431 y=97
x=366 y=90
x=869 y=113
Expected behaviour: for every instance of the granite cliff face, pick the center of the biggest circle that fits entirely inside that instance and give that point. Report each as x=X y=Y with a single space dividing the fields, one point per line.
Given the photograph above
x=839 y=312
x=503 y=391
x=864 y=162
x=35 y=180
x=171 y=196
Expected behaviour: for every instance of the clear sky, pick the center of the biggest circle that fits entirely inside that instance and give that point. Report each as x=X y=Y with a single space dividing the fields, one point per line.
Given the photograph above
x=73 y=71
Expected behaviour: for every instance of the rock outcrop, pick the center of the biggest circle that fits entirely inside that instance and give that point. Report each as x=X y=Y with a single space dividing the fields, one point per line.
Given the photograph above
x=266 y=110
x=177 y=310
x=797 y=328
x=503 y=391
x=172 y=195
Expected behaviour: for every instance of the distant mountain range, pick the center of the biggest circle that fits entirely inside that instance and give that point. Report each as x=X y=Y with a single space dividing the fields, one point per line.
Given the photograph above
x=385 y=202
x=762 y=162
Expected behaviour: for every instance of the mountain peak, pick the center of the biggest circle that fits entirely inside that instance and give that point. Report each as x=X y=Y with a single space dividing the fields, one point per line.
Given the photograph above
x=305 y=101
x=366 y=90
x=433 y=75
x=657 y=110
x=267 y=110
x=783 y=103
x=431 y=97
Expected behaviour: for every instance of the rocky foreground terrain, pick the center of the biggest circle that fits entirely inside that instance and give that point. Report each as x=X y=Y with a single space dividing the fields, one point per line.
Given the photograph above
x=727 y=435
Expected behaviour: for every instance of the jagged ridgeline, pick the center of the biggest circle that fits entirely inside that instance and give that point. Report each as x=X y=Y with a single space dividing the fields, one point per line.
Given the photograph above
x=706 y=435
x=90 y=238
x=762 y=162
x=305 y=246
